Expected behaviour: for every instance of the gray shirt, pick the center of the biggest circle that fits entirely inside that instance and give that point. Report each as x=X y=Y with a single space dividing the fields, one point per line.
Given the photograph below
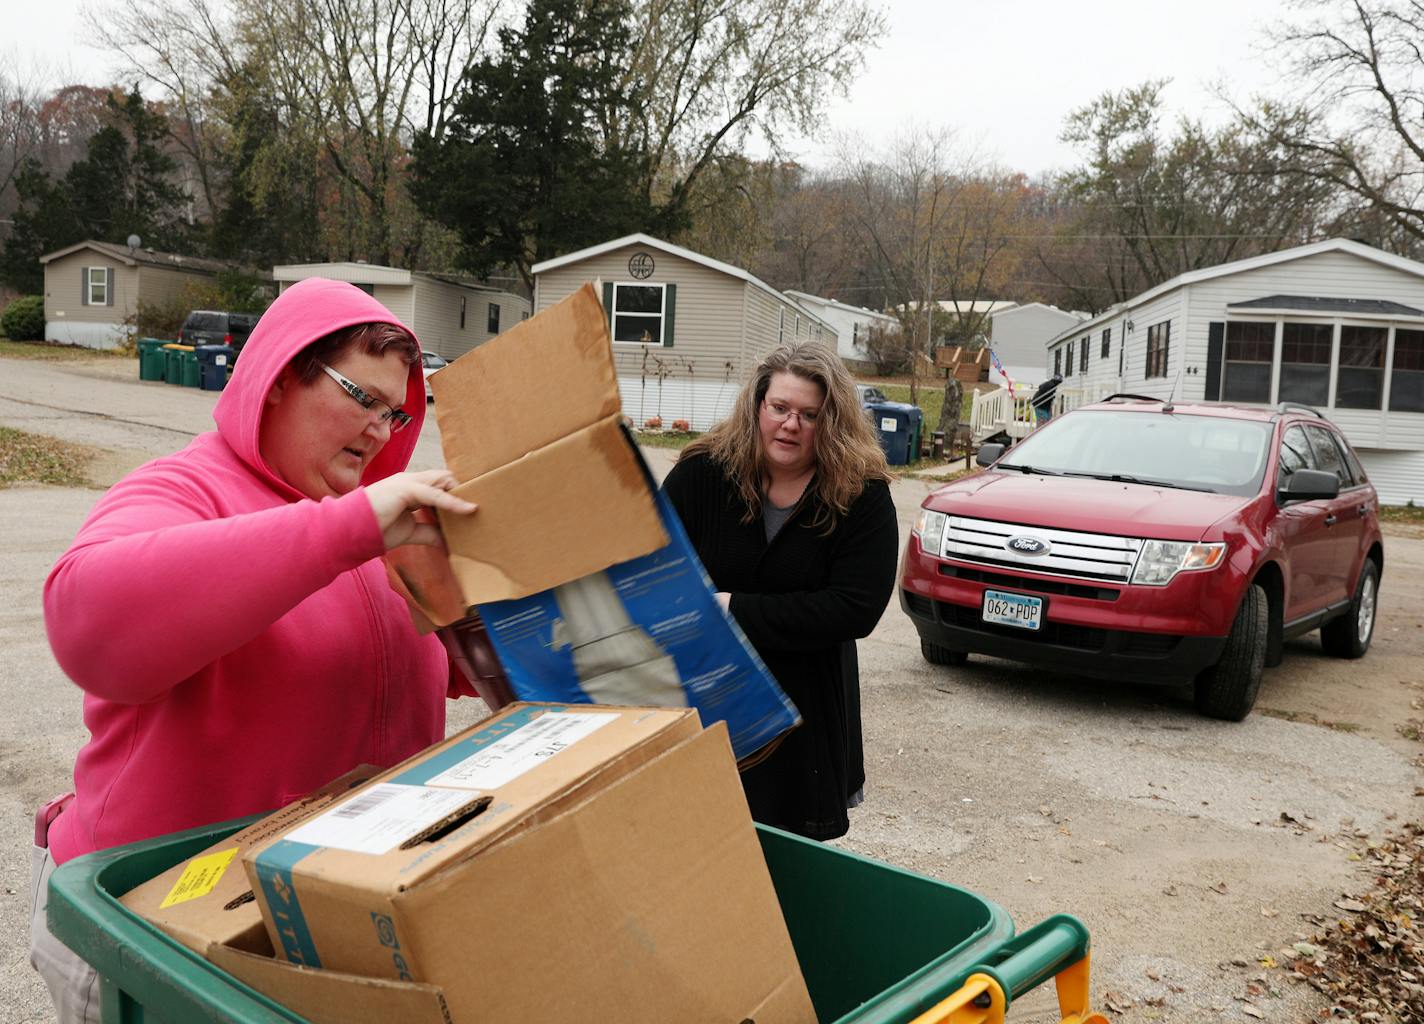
x=774 y=518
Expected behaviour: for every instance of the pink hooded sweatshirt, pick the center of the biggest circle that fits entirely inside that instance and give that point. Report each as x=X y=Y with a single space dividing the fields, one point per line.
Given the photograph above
x=237 y=642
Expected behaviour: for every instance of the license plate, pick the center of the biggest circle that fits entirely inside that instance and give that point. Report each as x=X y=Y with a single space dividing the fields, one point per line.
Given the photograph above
x=1013 y=609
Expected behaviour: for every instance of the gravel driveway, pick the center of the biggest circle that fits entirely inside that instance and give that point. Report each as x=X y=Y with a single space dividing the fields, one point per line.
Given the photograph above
x=1191 y=848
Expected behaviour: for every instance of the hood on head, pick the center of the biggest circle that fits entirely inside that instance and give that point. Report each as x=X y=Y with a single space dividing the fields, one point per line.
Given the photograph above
x=303 y=313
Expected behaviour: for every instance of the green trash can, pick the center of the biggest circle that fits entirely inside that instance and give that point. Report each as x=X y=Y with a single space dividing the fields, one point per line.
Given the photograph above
x=192 y=369
x=152 y=360
x=877 y=944
x=173 y=365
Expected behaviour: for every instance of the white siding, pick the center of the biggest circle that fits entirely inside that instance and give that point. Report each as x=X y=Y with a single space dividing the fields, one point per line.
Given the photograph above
x=1397 y=476
x=437 y=315
x=1336 y=275
x=1018 y=337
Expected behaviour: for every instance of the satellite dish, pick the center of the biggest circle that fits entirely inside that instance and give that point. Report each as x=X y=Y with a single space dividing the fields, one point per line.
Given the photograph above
x=134 y=242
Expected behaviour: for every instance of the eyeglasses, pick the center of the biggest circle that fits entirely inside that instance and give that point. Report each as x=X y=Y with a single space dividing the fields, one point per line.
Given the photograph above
x=395 y=418
x=781 y=412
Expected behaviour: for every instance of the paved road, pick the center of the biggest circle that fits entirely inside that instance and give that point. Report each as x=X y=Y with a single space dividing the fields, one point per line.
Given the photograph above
x=1161 y=830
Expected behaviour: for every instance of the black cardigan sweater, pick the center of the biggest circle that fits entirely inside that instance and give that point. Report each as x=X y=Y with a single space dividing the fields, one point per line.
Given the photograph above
x=802 y=600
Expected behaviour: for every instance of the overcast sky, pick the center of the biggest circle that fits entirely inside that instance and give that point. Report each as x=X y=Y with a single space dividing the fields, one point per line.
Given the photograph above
x=1003 y=75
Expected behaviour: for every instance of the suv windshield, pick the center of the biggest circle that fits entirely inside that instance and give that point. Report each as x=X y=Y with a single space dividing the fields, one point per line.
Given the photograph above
x=1204 y=453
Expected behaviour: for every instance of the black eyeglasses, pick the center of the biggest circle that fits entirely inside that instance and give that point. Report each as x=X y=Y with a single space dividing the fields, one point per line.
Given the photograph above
x=385 y=412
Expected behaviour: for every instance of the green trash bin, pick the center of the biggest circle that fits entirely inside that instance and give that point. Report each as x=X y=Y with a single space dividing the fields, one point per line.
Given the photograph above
x=877 y=944
x=173 y=365
x=191 y=368
x=152 y=360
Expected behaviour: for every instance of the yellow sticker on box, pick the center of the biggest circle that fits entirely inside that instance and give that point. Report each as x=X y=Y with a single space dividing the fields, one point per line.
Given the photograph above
x=199 y=878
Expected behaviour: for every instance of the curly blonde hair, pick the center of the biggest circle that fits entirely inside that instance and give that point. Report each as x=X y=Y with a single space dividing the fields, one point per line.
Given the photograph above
x=847 y=452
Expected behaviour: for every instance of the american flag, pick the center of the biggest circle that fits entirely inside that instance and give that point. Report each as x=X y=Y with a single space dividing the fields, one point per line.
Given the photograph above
x=998 y=366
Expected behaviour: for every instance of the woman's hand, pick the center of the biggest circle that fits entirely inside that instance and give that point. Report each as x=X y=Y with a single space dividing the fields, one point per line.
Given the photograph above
x=395 y=499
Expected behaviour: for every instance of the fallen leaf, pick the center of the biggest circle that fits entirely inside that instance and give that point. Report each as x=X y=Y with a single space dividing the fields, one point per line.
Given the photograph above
x=1267 y=912
x=1154 y=975
x=1267 y=961
x=1348 y=904
x=1251 y=1011
x=1034 y=879
x=1171 y=890
x=1219 y=887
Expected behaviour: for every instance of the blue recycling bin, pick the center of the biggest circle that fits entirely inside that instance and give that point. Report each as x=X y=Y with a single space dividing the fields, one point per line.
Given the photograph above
x=897 y=425
x=213 y=362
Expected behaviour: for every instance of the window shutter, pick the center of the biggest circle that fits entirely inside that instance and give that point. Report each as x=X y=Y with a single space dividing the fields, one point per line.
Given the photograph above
x=109 y=286
x=84 y=286
x=669 y=313
x=1215 y=338
x=608 y=302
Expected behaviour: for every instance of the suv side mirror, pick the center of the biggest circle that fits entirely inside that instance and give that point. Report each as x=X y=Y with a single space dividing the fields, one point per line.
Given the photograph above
x=988 y=454
x=1310 y=485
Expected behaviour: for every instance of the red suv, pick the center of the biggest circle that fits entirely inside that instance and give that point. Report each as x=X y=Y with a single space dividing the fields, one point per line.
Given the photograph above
x=1134 y=539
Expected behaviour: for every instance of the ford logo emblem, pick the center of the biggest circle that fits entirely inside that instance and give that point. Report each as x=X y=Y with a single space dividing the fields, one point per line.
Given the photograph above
x=1027 y=546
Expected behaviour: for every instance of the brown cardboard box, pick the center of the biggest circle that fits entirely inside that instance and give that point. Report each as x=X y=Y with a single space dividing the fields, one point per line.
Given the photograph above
x=610 y=871
x=200 y=902
x=531 y=427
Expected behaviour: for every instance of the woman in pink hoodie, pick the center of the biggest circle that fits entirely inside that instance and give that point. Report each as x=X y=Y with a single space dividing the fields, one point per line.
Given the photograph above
x=225 y=609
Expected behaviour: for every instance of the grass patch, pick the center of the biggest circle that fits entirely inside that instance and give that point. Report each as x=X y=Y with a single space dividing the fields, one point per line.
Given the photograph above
x=1308 y=718
x=53 y=351
x=1402 y=513
x=34 y=459
x=677 y=439
x=931 y=400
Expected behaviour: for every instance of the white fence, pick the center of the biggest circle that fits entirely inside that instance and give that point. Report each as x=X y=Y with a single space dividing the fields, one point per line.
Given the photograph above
x=998 y=412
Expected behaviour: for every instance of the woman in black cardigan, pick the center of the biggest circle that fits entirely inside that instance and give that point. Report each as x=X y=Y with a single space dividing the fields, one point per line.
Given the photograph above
x=788 y=505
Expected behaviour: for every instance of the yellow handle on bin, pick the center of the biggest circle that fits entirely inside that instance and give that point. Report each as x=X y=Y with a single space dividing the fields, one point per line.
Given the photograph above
x=979 y=1000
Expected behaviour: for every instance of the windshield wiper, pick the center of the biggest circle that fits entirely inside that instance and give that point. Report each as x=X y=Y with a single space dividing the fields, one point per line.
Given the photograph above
x=1124 y=478
x=1028 y=469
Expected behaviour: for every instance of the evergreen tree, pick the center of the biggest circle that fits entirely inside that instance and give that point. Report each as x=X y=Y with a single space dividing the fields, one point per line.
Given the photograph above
x=525 y=170
x=122 y=186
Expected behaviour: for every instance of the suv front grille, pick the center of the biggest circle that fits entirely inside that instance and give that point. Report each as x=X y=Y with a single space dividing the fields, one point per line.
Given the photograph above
x=1091 y=556
x=1038 y=586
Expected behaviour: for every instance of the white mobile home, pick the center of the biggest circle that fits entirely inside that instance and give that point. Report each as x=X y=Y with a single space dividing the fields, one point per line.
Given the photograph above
x=687 y=329
x=449 y=314
x=1336 y=325
x=1017 y=336
x=852 y=323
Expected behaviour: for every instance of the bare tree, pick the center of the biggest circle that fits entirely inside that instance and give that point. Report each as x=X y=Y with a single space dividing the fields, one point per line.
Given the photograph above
x=358 y=79
x=1350 y=112
x=710 y=73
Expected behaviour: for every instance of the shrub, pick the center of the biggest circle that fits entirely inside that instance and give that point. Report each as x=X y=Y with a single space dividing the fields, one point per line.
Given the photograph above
x=23 y=319
x=681 y=426
x=653 y=423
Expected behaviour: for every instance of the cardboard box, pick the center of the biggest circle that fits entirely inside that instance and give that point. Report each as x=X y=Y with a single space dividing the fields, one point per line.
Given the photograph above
x=205 y=900
x=531 y=425
x=599 y=863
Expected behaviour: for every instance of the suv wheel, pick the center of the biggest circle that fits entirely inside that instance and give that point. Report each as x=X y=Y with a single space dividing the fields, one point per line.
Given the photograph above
x=936 y=654
x=1349 y=635
x=1228 y=689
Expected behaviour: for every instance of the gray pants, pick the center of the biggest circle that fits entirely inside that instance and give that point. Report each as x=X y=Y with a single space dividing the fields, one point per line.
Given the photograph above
x=73 y=985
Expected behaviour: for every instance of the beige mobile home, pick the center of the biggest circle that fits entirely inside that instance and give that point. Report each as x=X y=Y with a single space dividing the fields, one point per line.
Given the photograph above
x=449 y=314
x=687 y=329
x=92 y=289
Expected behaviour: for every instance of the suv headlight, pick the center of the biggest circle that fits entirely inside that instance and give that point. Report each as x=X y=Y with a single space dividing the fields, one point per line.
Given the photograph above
x=929 y=527
x=1161 y=560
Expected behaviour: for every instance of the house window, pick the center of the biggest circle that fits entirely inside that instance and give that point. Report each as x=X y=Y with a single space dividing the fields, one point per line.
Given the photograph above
x=1068 y=363
x=1406 y=381
x=638 y=313
x=1057 y=362
x=1083 y=355
x=1360 y=382
x=1159 y=337
x=462 y=312
x=1107 y=342
x=1305 y=363
x=1250 y=350
x=98 y=286
x=492 y=318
